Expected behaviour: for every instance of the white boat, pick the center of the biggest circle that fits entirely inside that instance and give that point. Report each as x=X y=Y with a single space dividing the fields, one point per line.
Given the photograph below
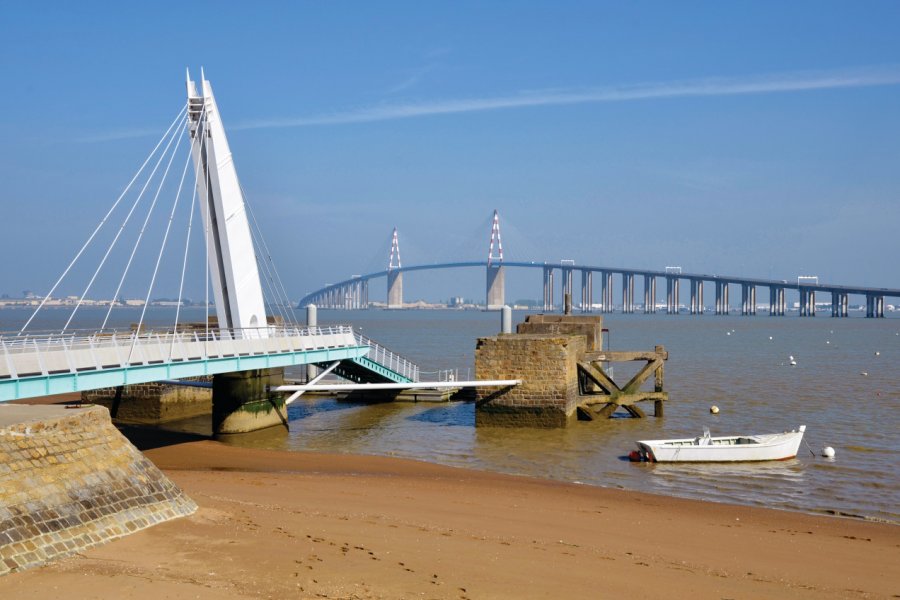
x=735 y=448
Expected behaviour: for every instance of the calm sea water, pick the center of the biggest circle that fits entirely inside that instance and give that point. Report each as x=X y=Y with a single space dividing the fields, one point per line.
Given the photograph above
x=739 y=364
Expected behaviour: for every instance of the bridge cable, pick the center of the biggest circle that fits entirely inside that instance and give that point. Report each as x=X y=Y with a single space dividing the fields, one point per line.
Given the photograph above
x=140 y=237
x=276 y=283
x=102 y=222
x=187 y=244
x=119 y=233
x=162 y=248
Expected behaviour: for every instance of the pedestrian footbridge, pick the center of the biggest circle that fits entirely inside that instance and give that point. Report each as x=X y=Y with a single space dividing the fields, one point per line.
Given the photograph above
x=45 y=364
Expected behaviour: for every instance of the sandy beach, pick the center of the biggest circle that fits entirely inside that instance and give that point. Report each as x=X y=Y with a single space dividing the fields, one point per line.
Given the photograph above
x=301 y=525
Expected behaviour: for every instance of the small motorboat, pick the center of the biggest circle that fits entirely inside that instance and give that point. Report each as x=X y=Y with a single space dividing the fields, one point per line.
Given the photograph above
x=735 y=448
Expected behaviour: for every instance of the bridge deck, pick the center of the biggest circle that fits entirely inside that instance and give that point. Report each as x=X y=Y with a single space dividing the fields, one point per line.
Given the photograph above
x=42 y=365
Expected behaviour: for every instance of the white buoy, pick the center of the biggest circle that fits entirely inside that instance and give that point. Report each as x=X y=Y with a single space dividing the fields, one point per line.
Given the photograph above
x=827 y=341
x=828 y=452
x=877 y=353
x=770 y=337
x=793 y=363
x=864 y=374
x=727 y=333
x=714 y=409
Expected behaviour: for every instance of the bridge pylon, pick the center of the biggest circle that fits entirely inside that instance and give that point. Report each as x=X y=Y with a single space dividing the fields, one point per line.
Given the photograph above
x=495 y=288
x=232 y=257
x=395 y=275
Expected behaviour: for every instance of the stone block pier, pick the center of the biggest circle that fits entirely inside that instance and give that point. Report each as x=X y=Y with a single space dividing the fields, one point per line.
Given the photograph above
x=69 y=481
x=560 y=360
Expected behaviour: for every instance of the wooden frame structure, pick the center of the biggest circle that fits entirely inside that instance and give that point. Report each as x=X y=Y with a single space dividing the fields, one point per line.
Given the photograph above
x=601 y=396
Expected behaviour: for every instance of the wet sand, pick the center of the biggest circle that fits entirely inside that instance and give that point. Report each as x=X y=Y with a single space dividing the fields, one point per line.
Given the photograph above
x=301 y=525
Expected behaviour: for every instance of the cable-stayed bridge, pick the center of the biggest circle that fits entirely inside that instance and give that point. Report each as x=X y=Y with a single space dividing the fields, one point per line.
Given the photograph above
x=353 y=293
x=239 y=274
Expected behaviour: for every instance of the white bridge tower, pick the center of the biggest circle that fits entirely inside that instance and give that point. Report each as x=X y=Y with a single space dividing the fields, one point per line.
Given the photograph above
x=232 y=258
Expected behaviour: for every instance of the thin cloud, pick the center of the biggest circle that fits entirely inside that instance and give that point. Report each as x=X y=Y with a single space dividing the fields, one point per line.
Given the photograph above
x=792 y=82
x=122 y=134
x=764 y=84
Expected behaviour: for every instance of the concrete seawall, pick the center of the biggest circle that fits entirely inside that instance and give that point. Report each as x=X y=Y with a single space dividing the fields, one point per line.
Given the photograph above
x=69 y=480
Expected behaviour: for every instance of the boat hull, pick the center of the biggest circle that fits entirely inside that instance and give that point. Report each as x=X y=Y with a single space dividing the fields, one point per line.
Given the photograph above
x=778 y=446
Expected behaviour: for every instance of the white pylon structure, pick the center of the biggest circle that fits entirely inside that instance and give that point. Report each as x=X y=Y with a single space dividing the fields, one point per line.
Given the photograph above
x=495 y=296
x=495 y=236
x=395 y=252
x=232 y=257
x=395 y=275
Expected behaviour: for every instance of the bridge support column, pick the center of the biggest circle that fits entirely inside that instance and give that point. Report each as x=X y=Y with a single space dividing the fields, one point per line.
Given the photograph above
x=548 y=289
x=496 y=287
x=696 y=296
x=874 y=306
x=567 y=284
x=395 y=289
x=672 y=285
x=587 y=291
x=807 y=302
x=242 y=402
x=649 y=294
x=627 y=293
x=753 y=300
x=606 y=291
x=748 y=299
x=835 y=304
x=722 y=302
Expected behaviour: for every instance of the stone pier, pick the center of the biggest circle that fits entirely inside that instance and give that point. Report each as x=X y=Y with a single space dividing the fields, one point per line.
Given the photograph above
x=543 y=353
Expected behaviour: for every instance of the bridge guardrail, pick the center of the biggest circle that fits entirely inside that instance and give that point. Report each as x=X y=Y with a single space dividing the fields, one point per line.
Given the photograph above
x=389 y=359
x=73 y=351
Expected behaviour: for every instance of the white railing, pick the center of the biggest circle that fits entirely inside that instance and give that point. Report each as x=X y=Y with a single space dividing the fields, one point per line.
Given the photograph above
x=72 y=351
x=388 y=359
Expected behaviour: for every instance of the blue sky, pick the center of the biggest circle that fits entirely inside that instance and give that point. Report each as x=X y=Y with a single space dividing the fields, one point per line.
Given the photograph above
x=759 y=139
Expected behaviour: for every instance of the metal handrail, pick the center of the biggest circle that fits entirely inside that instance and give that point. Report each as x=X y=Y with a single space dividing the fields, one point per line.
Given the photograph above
x=389 y=359
x=133 y=347
x=164 y=341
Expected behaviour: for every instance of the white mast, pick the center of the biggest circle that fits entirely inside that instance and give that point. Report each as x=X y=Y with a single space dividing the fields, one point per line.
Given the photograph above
x=232 y=259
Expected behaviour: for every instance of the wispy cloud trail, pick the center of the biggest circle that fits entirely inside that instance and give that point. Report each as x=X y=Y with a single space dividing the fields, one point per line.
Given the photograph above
x=762 y=84
x=766 y=84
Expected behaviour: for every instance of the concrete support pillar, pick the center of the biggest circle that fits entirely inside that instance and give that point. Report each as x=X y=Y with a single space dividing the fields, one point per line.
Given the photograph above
x=676 y=286
x=587 y=291
x=845 y=305
x=606 y=291
x=782 y=302
x=395 y=289
x=548 y=289
x=495 y=288
x=672 y=285
x=627 y=293
x=567 y=283
x=693 y=296
x=242 y=402
x=879 y=307
x=649 y=294
x=835 y=304
x=753 y=300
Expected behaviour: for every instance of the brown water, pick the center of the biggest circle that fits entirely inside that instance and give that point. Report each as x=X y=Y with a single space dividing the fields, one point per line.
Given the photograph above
x=745 y=374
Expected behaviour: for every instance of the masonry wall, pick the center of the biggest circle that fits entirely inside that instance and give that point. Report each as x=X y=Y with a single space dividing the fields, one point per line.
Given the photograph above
x=590 y=326
x=547 y=366
x=69 y=481
x=155 y=402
